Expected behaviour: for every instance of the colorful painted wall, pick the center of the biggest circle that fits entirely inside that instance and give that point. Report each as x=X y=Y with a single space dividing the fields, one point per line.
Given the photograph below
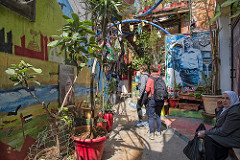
x=21 y=117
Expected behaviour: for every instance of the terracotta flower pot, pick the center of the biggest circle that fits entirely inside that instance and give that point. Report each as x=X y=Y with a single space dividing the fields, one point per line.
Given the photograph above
x=173 y=102
x=210 y=102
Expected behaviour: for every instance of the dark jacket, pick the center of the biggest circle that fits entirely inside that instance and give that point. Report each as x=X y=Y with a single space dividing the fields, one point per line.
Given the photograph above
x=142 y=84
x=227 y=129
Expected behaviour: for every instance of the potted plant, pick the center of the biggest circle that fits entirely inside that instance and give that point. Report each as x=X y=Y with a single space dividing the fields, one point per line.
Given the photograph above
x=80 y=49
x=208 y=97
x=173 y=101
x=108 y=115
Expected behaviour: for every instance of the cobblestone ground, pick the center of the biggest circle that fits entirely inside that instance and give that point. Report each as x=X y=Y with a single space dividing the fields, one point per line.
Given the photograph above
x=127 y=142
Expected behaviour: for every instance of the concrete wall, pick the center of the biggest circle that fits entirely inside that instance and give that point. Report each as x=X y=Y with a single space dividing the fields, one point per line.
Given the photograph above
x=225 y=53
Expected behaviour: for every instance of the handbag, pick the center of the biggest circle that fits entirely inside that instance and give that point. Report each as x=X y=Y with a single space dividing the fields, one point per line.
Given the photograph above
x=195 y=148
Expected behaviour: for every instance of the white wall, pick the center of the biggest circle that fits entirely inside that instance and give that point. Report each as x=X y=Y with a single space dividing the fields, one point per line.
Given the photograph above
x=225 y=53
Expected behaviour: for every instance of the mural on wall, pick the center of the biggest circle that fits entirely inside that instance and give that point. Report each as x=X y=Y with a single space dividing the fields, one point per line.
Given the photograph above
x=32 y=52
x=21 y=116
x=66 y=7
x=6 y=46
x=187 y=57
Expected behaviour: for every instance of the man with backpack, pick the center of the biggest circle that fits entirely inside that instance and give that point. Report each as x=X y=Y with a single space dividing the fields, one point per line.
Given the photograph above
x=142 y=96
x=157 y=93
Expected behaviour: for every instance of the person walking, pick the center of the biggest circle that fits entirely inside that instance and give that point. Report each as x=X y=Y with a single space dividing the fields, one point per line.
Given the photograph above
x=155 y=102
x=142 y=96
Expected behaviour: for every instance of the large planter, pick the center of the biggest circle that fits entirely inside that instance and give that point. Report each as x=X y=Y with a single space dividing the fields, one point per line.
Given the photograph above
x=89 y=149
x=109 y=118
x=173 y=102
x=210 y=102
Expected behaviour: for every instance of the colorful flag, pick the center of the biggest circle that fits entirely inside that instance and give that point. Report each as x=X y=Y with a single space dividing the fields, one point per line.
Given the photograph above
x=110 y=50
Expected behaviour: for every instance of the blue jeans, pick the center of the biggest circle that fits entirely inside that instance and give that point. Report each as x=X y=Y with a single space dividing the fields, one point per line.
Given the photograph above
x=154 y=107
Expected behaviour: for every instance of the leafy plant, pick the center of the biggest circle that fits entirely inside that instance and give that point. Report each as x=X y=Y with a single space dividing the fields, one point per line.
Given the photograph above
x=105 y=12
x=198 y=94
x=101 y=119
x=235 y=10
x=108 y=107
x=80 y=47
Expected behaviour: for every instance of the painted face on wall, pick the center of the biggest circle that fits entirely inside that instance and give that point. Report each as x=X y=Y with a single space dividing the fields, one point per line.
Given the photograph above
x=187 y=43
x=226 y=101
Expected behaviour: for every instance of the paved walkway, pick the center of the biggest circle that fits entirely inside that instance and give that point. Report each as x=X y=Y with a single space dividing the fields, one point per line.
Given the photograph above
x=127 y=142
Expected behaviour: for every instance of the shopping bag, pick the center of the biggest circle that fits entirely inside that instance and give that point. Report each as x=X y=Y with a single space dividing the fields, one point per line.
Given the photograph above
x=195 y=148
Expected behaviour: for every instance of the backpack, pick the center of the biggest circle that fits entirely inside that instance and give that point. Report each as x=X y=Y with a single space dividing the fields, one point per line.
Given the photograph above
x=160 y=89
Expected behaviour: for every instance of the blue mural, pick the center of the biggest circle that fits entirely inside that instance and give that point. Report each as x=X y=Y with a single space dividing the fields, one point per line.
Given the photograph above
x=10 y=100
x=66 y=7
x=188 y=56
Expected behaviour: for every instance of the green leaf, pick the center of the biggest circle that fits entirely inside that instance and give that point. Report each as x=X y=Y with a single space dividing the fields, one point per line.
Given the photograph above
x=24 y=70
x=54 y=43
x=228 y=3
x=217 y=14
x=15 y=84
x=23 y=63
x=10 y=71
x=90 y=50
x=75 y=16
x=215 y=17
x=75 y=36
x=36 y=82
x=88 y=23
x=14 y=66
x=94 y=45
x=90 y=31
x=70 y=21
x=38 y=70
x=29 y=65
x=83 y=64
x=14 y=79
x=92 y=39
x=236 y=14
x=66 y=17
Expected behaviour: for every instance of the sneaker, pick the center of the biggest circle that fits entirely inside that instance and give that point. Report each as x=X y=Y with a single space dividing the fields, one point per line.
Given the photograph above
x=151 y=136
x=146 y=124
x=158 y=134
x=139 y=123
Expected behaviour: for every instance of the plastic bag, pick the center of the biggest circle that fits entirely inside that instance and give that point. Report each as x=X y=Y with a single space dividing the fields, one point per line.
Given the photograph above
x=195 y=148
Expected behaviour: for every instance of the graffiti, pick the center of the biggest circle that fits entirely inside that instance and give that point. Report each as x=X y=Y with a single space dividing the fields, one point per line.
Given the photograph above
x=6 y=47
x=26 y=52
